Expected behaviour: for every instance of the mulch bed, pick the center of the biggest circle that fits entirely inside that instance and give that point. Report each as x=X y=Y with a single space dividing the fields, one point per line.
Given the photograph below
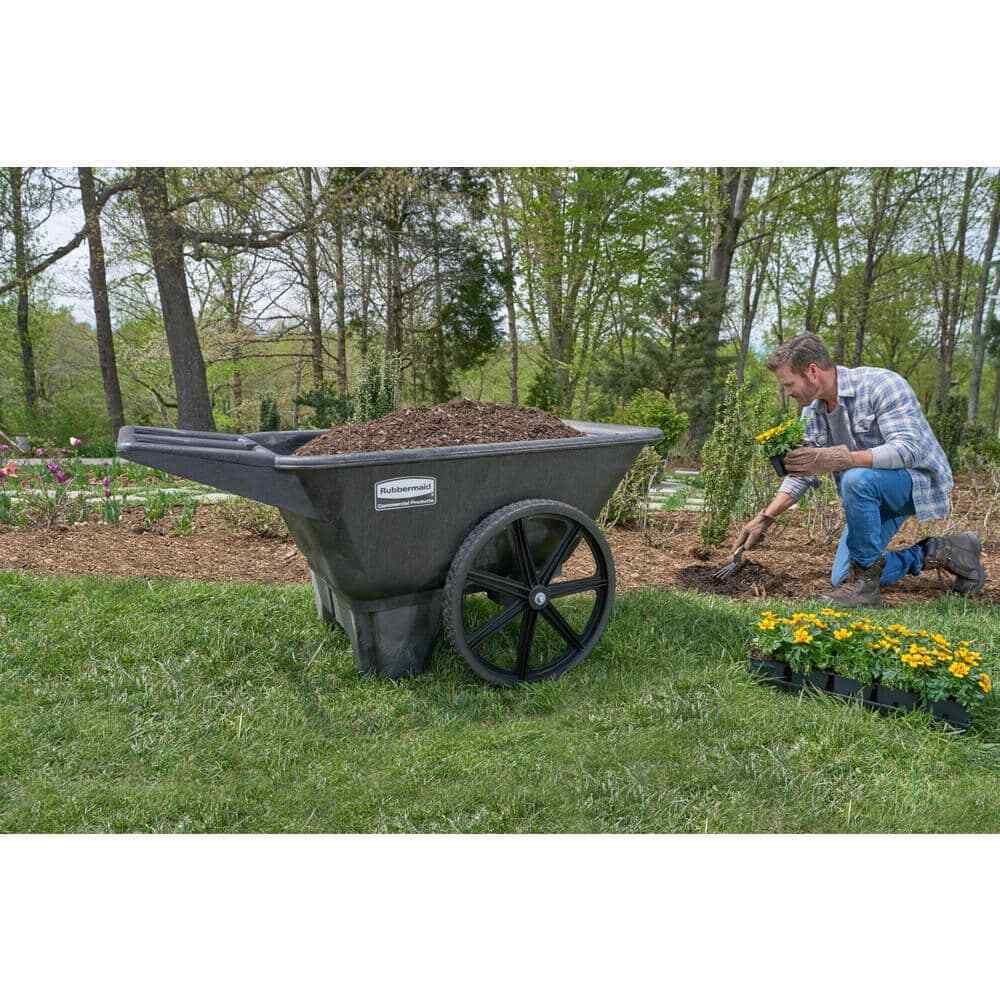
x=790 y=566
x=462 y=421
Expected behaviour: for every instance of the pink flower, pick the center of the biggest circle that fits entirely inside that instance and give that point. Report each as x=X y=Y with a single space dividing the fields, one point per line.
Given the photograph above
x=10 y=469
x=75 y=442
x=39 y=453
x=56 y=471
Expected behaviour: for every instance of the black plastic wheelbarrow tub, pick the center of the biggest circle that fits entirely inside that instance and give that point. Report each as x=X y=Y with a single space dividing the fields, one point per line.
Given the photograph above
x=380 y=530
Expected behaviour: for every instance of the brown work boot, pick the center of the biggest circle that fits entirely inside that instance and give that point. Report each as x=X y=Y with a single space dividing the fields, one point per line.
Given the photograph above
x=860 y=589
x=958 y=555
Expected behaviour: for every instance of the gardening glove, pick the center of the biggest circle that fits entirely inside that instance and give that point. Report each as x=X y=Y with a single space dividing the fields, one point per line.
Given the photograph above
x=753 y=532
x=811 y=461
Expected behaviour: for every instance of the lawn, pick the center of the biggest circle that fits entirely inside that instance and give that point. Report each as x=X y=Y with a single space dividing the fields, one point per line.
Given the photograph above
x=135 y=705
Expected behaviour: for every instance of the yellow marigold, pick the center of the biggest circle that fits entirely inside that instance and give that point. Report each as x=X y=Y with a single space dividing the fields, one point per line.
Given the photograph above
x=939 y=639
x=767 y=626
x=985 y=683
x=842 y=633
x=959 y=669
x=802 y=635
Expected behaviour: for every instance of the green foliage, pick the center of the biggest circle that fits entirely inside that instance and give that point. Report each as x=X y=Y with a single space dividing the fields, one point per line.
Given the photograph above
x=544 y=392
x=726 y=458
x=185 y=523
x=329 y=406
x=269 y=418
x=948 y=424
x=926 y=664
x=651 y=408
x=258 y=518
x=784 y=437
x=628 y=501
x=155 y=507
x=379 y=389
x=979 y=449
x=98 y=447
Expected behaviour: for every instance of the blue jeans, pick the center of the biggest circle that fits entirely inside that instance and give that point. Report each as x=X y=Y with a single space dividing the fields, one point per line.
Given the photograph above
x=876 y=503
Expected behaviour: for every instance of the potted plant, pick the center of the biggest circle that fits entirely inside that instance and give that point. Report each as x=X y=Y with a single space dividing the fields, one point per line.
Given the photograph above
x=777 y=441
x=888 y=666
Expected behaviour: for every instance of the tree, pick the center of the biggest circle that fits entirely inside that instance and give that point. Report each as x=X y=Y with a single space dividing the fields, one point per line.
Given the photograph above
x=102 y=308
x=978 y=329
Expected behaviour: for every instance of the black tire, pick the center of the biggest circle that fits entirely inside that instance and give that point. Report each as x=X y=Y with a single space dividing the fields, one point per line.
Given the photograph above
x=465 y=579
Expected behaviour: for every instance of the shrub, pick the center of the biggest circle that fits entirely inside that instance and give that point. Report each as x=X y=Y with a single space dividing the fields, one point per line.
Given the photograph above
x=651 y=408
x=258 y=518
x=628 y=502
x=726 y=458
x=269 y=419
x=329 y=406
x=980 y=447
x=379 y=388
x=948 y=424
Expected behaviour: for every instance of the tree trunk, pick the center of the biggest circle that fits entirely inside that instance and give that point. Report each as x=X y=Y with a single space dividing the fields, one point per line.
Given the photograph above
x=978 y=337
x=166 y=247
x=735 y=186
x=102 y=308
x=508 y=284
x=810 y=321
x=953 y=302
x=20 y=269
x=312 y=280
x=340 y=279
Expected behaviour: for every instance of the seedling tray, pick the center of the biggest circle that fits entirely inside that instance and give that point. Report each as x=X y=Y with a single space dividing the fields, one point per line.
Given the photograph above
x=878 y=697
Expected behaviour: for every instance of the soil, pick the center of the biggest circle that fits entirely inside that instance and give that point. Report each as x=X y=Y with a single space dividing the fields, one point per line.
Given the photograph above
x=462 y=421
x=791 y=565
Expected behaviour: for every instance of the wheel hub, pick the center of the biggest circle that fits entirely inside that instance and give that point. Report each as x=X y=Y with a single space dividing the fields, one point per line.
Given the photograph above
x=538 y=598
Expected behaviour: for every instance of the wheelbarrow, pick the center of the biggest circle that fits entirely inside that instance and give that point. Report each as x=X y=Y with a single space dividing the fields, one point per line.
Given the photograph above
x=495 y=541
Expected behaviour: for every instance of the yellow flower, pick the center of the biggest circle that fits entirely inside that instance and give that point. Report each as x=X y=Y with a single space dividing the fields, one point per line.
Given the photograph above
x=939 y=639
x=959 y=669
x=802 y=635
x=842 y=633
x=985 y=683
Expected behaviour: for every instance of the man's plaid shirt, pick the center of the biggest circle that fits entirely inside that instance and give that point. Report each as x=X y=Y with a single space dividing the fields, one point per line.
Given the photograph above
x=885 y=418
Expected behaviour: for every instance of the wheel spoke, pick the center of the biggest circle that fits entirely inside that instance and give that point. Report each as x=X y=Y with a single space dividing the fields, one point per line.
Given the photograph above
x=526 y=639
x=560 y=554
x=523 y=553
x=560 y=624
x=494 y=625
x=577 y=586
x=490 y=581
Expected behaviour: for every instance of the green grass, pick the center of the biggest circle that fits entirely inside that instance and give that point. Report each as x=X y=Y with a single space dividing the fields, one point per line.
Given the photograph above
x=163 y=706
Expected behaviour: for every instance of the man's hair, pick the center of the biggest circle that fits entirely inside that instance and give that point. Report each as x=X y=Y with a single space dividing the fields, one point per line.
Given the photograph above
x=799 y=353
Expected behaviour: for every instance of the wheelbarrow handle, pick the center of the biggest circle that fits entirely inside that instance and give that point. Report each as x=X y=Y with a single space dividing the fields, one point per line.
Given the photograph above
x=236 y=463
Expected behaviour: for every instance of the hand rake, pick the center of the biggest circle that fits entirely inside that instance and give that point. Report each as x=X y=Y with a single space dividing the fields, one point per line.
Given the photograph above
x=731 y=567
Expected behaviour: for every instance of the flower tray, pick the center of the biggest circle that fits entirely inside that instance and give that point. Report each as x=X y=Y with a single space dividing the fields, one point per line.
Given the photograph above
x=778 y=461
x=879 y=697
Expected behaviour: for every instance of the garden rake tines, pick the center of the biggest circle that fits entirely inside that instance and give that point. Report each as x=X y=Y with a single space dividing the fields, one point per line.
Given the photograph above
x=731 y=567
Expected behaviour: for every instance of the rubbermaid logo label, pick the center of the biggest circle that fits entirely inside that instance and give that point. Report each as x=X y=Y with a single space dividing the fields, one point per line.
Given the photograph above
x=420 y=491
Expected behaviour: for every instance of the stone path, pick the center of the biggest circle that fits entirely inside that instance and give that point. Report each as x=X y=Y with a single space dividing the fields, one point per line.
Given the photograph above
x=679 y=482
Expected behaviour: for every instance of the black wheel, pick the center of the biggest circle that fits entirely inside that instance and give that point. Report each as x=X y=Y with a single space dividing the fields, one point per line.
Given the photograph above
x=530 y=592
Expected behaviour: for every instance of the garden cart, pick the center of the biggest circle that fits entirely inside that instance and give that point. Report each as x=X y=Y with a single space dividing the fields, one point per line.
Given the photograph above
x=497 y=541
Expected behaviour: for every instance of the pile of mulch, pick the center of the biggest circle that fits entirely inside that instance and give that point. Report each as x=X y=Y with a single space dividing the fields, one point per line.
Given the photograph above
x=462 y=421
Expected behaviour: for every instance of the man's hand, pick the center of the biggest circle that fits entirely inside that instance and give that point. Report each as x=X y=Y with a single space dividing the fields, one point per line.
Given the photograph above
x=753 y=532
x=812 y=461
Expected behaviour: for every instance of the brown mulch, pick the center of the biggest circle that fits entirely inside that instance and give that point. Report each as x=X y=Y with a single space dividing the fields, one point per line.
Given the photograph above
x=462 y=421
x=790 y=566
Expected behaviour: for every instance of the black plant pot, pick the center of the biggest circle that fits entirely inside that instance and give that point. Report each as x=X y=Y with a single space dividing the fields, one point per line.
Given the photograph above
x=845 y=687
x=776 y=672
x=778 y=461
x=948 y=710
x=880 y=697
x=892 y=698
x=821 y=679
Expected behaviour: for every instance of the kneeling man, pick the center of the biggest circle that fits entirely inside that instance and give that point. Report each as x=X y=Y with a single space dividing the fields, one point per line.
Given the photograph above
x=865 y=426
